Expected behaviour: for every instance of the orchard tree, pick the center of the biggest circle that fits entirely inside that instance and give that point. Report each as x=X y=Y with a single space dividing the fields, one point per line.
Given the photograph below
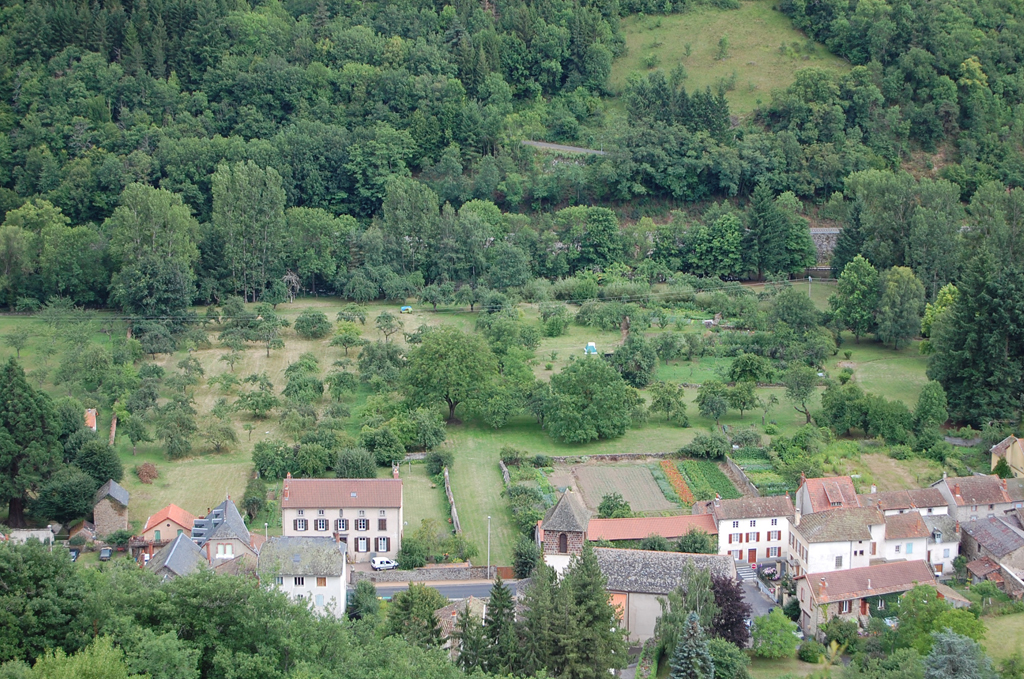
x=900 y=306
x=30 y=450
x=388 y=324
x=856 y=300
x=670 y=399
x=712 y=400
x=614 y=507
x=448 y=365
x=636 y=360
x=347 y=335
x=17 y=339
x=589 y=400
x=742 y=397
x=312 y=325
x=800 y=382
x=751 y=368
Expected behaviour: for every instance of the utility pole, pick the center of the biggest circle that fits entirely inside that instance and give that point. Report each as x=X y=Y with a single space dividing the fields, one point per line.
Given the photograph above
x=488 y=547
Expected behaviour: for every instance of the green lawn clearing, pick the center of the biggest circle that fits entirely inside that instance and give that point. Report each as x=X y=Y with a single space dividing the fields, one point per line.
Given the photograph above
x=764 y=50
x=1004 y=635
x=421 y=497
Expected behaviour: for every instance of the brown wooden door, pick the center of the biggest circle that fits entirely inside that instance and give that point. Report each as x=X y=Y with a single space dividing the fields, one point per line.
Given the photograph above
x=751 y=556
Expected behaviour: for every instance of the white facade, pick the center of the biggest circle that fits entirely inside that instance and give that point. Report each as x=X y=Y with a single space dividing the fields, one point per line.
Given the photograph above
x=326 y=593
x=906 y=549
x=941 y=554
x=825 y=557
x=754 y=540
x=367 y=532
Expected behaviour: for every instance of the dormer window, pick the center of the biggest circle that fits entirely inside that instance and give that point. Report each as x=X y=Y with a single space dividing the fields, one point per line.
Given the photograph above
x=382 y=513
x=362 y=513
x=302 y=512
x=320 y=512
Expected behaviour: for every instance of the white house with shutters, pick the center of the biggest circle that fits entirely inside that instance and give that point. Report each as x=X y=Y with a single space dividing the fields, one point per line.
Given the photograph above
x=751 y=529
x=306 y=569
x=364 y=514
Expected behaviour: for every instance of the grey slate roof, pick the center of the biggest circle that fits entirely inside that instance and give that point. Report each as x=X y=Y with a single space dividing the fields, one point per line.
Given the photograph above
x=180 y=557
x=568 y=514
x=301 y=556
x=945 y=524
x=115 y=491
x=995 y=535
x=839 y=525
x=747 y=508
x=222 y=523
x=637 y=570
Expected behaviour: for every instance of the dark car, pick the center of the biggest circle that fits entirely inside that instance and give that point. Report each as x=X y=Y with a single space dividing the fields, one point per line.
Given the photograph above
x=105 y=554
x=74 y=554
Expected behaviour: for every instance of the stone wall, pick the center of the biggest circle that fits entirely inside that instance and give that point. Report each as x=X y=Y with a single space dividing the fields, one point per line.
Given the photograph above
x=109 y=516
x=451 y=503
x=735 y=468
x=825 y=240
x=427 y=574
x=1012 y=584
x=611 y=457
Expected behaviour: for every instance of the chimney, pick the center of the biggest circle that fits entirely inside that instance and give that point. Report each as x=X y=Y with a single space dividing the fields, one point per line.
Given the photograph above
x=869 y=583
x=1004 y=484
x=822 y=585
x=943 y=475
x=796 y=516
x=288 y=475
x=395 y=467
x=874 y=489
x=718 y=499
x=956 y=490
x=802 y=481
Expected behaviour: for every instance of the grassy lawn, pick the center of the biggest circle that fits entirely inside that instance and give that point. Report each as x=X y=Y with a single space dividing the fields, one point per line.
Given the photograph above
x=760 y=668
x=422 y=499
x=754 y=32
x=1004 y=635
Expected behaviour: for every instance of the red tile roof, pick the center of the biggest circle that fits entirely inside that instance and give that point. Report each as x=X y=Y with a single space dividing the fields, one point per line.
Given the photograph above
x=977 y=490
x=170 y=513
x=671 y=527
x=90 y=419
x=857 y=583
x=905 y=526
x=324 y=493
x=983 y=566
x=833 y=492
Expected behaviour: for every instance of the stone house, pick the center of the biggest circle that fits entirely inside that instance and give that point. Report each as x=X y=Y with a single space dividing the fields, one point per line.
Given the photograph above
x=996 y=539
x=110 y=509
x=849 y=594
x=366 y=514
x=638 y=580
x=976 y=497
x=448 y=616
x=563 y=530
x=307 y=569
x=178 y=558
x=839 y=539
x=924 y=501
x=222 y=534
x=751 y=529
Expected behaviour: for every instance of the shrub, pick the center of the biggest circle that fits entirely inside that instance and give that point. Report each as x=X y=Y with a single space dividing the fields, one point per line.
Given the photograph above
x=713 y=446
x=119 y=538
x=255 y=497
x=77 y=541
x=510 y=456
x=844 y=375
x=355 y=463
x=437 y=460
x=146 y=472
x=810 y=651
x=540 y=461
x=746 y=438
x=843 y=632
x=901 y=452
x=525 y=557
x=771 y=429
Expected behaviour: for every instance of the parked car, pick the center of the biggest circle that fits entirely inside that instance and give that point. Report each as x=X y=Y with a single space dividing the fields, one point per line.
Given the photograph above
x=74 y=554
x=379 y=563
x=105 y=554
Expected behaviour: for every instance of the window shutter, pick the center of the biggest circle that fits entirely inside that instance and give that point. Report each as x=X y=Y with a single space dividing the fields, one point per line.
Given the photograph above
x=295 y=524
x=387 y=544
x=757 y=536
x=730 y=538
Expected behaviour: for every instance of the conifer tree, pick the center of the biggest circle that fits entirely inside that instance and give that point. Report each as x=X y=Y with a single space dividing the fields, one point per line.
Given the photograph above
x=500 y=629
x=691 y=659
x=765 y=239
x=472 y=643
x=600 y=643
x=536 y=631
x=131 y=52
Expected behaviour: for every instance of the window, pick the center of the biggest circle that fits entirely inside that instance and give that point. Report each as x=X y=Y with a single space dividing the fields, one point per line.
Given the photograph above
x=340 y=524
x=774 y=535
x=319 y=599
x=844 y=606
x=910 y=548
x=180 y=531
x=753 y=523
x=774 y=552
x=974 y=508
x=280 y=580
x=321 y=582
x=735 y=537
x=362 y=512
x=382 y=524
x=225 y=551
x=382 y=513
x=753 y=537
x=300 y=597
x=881 y=604
x=299 y=524
x=300 y=581
x=322 y=524
x=362 y=524
x=735 y=524
x=898 y=549
x=301 y=512
x=319 y=512
x=156 y=535
x=362 y=544
x=382 y=545
x=775 y=522
x=839 y=562
x=945 y=554
x=930 y=510
x=991 y=506
x=563 y=543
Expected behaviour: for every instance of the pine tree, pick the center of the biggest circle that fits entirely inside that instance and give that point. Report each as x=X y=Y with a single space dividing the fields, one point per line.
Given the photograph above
x=472 y=643
x=851 y=238
x=158 y=50
x=691 y=659
x=500 y=629
x=131 y=52
x=536 y=631
x=601 y=643
x=766 y=236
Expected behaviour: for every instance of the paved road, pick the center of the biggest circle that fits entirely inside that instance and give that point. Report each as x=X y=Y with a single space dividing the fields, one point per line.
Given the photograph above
x=562 y=147
x=759 y=603
x=452 y=590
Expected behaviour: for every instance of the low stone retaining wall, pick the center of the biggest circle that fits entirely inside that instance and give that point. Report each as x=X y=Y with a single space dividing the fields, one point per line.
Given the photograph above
x=736 y=469
x=506 y=477
x=428 y=574
x=451 y=503
x=611 y=457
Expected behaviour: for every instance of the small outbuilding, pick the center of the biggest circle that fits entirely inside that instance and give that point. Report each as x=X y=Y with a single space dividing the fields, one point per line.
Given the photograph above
x=590 y=349
x=110 y=509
